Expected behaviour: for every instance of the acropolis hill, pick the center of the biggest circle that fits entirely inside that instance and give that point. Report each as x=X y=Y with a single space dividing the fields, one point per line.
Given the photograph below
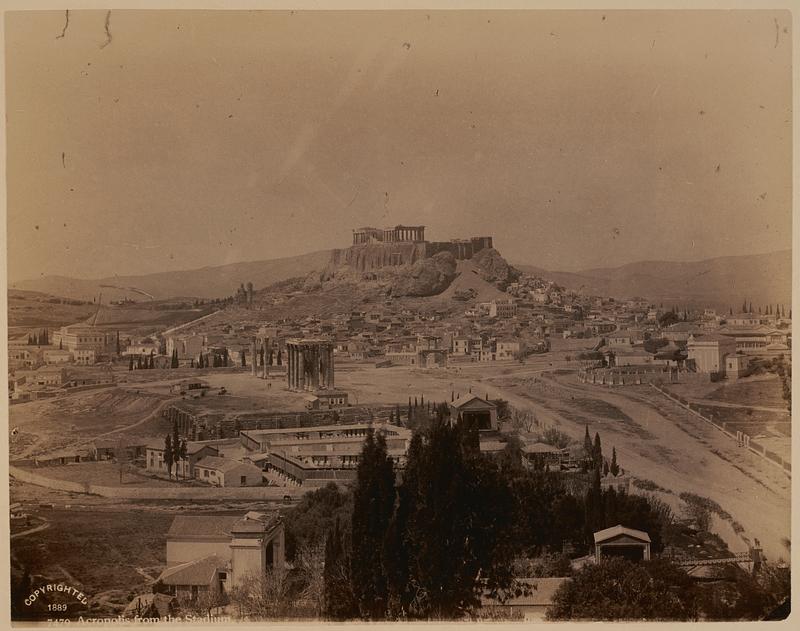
x=374 y=248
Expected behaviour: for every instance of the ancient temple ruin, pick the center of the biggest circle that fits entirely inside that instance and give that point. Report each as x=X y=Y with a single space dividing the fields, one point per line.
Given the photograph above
x=397 y=234
x=310 y=364
x=374 y=248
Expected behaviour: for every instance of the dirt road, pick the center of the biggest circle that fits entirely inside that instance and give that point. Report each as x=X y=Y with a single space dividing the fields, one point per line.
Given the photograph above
x=680 y=454
x=653 y=440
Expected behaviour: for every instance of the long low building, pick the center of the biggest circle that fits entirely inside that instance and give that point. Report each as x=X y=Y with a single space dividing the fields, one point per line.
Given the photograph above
x=259 y=440
x=757 y=340
x=330 y=452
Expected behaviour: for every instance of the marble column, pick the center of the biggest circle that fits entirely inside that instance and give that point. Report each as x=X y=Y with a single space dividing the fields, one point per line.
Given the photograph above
x=314 y=368
x=295 y=374
x=329 y=380
x=301 y=363
x=253 y=357
x=288 y=367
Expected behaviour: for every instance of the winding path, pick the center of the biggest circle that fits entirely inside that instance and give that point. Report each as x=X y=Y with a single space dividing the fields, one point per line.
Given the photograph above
x=30 y=531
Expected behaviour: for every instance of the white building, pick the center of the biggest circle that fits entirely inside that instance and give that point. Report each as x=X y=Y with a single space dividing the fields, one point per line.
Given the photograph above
x=709 y=351
x=227 y=472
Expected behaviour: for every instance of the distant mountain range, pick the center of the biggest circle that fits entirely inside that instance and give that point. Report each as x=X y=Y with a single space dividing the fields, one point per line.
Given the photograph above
x=206 y=282
x=720 y=282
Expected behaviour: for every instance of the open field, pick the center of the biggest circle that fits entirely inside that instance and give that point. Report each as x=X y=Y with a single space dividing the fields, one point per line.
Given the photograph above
x=32 y=309
x=78 y=417
x=754 y=391
x=755 y=422
x=107 y=474
x=95 y=550
x=108 y=551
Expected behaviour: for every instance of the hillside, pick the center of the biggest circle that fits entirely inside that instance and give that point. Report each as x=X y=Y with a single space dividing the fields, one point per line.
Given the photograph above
x=206 y=282
x=720 y=282
x=30 y=309
x=470 y=285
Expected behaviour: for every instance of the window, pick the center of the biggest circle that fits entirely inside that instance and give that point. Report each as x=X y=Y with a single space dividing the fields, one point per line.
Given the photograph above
x=243 y=480
x=205 y=473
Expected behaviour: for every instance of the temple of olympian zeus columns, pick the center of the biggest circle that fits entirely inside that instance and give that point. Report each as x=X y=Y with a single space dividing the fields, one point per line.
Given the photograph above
x=260 y=343
x=310 y=364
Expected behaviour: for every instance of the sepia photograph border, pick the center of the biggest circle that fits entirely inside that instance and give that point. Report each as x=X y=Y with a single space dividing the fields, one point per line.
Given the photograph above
x=395 y=5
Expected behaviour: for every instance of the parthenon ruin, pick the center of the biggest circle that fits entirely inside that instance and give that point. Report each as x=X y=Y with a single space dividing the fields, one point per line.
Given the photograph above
x=310 y=364
x=398 y=234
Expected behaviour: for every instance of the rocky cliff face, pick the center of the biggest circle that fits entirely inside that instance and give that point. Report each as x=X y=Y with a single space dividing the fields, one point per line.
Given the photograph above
x=374 y=256
x=494 y=268
x=427 y=277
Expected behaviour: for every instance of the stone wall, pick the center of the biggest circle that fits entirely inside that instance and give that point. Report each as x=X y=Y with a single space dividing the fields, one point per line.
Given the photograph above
x=373 y=256
x=158 y=493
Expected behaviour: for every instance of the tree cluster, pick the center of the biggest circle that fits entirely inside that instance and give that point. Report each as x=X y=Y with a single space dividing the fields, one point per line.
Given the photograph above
x=618 y=589
x=174 y=450
x=430 y=547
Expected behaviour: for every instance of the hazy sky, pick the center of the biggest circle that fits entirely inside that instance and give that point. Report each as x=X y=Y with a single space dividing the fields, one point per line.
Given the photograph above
x=576 y=139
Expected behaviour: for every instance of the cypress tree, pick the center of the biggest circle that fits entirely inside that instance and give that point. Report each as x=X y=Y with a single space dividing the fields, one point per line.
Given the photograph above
x=168 y=454
x=614 y=469
x=456 y=546
x=373 y=504
x=176 y=447
x=597 y=452
x=397 y=553
x=130 y=362
x=587 y=444
x=182 y=451
x=593 y=507
x=337 y=600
